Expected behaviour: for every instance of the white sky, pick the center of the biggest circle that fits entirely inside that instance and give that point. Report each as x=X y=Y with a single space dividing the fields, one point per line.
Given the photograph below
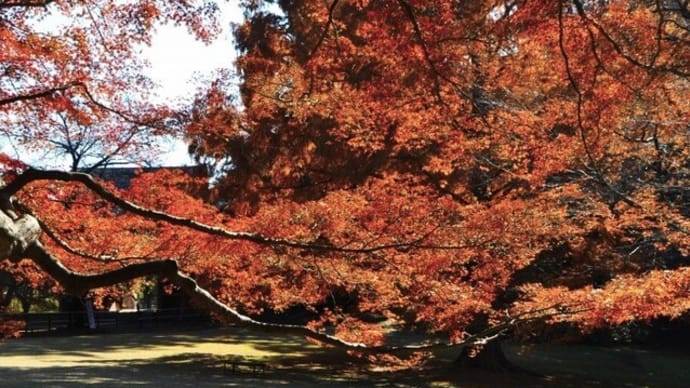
x=175 y=56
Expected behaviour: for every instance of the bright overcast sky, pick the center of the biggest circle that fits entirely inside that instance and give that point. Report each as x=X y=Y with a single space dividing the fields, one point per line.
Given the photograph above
x=175 y=57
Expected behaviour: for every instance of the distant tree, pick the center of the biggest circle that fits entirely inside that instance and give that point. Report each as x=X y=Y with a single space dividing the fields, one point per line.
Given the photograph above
x=465 y=169
x=90 y=146
x=75 y=87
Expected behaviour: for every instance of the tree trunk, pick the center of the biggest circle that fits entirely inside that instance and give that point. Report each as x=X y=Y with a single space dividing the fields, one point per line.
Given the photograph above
x=26 y=305
x=490 y=358
x=7 y=299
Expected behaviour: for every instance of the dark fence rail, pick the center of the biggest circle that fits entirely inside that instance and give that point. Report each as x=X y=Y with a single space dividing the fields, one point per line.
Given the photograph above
x=46 y=323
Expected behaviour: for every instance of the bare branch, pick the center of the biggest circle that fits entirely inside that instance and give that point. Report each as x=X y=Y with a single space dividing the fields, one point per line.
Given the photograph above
x=79 y=284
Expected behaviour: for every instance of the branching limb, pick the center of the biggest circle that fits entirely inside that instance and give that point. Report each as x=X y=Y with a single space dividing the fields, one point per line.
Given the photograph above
x=25 y=242
x=32 y=175
x=79 y=283
x=66 y=246
x=409 y=11
x=48 y=92
x=125 y=116
x=326 y=28
x=36 y=94
x=651 y=67
x=575 y=84
x=437 y=75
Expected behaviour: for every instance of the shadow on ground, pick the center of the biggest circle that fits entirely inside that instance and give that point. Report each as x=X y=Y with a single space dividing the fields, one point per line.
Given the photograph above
x=195 y=359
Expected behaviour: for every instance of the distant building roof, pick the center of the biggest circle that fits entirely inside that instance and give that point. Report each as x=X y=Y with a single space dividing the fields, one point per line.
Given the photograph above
x=122 y=176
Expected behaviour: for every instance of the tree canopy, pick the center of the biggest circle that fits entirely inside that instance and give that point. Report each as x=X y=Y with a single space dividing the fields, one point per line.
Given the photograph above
x=457 y=168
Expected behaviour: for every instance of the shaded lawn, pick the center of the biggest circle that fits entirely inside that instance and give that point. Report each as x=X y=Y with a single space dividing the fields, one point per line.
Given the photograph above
x=194 y=359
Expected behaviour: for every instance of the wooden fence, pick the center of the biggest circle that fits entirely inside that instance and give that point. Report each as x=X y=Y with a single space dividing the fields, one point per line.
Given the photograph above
x=45 y=323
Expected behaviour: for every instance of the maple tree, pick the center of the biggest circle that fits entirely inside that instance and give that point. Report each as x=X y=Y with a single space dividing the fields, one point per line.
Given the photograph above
x=465 y=169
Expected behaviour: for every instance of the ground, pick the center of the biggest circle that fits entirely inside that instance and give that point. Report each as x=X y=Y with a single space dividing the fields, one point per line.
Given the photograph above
x=194 y=359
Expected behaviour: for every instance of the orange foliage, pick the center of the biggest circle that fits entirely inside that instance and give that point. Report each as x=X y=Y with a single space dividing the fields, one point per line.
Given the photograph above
x=445 y=165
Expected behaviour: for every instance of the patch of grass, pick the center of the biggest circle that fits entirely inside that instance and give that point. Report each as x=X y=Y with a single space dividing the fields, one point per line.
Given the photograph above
x=607 y=366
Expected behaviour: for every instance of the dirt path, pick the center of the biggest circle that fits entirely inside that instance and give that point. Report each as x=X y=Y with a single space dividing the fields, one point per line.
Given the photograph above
x=194 y=359
x=176 y=359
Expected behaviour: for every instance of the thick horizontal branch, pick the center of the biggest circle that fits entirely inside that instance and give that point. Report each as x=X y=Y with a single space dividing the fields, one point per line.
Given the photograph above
x=79 y=284
x=26 y=4
x=31 y=175
x=36 y=94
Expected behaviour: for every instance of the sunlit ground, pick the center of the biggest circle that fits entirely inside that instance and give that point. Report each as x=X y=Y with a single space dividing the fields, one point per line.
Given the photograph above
x=194 y=358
